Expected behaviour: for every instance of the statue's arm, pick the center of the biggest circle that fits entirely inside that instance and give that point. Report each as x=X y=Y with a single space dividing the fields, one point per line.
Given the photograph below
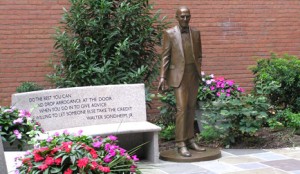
x=166 y=55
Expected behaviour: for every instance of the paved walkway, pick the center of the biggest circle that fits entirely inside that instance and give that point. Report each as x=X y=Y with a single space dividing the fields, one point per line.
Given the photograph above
x=233 y=161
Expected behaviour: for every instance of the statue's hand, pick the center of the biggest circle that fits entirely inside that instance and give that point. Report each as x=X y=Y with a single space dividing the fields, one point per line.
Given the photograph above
x=162 y=84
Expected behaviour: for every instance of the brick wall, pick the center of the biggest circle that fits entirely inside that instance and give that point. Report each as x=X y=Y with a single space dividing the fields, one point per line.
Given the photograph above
x=233 y=33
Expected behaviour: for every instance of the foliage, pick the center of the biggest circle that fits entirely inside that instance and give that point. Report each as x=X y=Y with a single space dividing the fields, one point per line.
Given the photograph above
x=167 y=132
x=233 y=118
x=284 y=72
x=212 y=87
x=17 y=126
x=107 y=42
x=288 y=119
x=168 y=110
x=70 y=153
x=28 y=86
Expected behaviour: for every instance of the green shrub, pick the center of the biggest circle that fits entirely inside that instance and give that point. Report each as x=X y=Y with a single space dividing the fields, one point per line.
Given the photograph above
x=233 y=118
x=28 y=86
x=167 y=132
x=107 y=42
x=283 y=72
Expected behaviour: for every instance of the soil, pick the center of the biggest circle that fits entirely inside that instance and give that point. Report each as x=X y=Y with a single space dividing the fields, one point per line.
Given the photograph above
x=264 y=139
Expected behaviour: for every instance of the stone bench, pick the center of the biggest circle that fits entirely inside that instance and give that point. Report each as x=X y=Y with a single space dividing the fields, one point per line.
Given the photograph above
x=96 y=110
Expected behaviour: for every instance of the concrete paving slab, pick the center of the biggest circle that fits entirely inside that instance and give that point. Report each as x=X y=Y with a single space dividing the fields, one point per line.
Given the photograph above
x=260 y=171
x=269 y=156
x=182 y=168
x=243 y=151
x=217 y=166
x=287 y=165
x=239 y=159
x=251 y=166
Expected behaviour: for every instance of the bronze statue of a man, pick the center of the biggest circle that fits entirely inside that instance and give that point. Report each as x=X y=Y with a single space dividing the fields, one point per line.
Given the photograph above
x=181 y=69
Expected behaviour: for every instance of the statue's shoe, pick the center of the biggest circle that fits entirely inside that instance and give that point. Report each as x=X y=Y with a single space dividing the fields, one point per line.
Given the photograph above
x=183 y=151
x=193 y=145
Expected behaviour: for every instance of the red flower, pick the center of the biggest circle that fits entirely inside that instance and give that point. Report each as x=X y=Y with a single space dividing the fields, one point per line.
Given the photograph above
x=54 y=150
x=43 y=167
x=94 y=165
x=38 y=157
x=93 y=153
x=82 y=162
x=68 y=171
x=58 y=161
x=49 y=161
x=26 y=160
x=104 y=169
x=67 y=146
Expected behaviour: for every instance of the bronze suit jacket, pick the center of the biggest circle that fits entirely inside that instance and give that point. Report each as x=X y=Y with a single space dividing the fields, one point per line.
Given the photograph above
x=173 y=61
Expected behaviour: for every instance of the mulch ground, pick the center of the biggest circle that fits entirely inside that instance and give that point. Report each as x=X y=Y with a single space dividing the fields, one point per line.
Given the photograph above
x=264 y=139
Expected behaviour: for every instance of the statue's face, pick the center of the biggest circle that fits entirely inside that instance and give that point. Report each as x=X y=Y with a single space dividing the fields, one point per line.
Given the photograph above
x=183 y=17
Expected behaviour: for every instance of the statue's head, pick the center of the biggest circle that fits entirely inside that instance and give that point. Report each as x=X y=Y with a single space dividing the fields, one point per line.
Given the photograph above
x=183 y=16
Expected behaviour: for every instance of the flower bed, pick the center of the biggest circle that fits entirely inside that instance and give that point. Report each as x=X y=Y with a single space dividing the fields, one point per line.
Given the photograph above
x=69 y=153
x=17 y=127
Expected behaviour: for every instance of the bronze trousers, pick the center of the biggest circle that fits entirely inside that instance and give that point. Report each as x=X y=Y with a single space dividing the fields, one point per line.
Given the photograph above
x=186 y=98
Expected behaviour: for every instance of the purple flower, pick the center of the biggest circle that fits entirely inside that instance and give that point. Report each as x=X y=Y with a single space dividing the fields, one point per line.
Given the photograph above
x=97 y=144
x=18 y=121
x=208 y=82
x=135 y=158
x=107 y=159
x=227 y=94
x=49 y=139
x=230 y=82
x=240 y=89
x=112 y=152
x=122 y=151
x=56 y=134
x=18 y=134
x=107 y=147
x=112 y=137
x=212 y=88
x=24 y=113
x=66 y=132
x=80 y=132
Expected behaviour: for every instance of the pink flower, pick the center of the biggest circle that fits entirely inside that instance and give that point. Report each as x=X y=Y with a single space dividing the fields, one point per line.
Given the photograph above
x=58 y=161
x=227 y=94
x=112 y=138
x=24 y=113
x=112 y=152
x=135 y=158
x=219 y=78
x=18 y=121
x=212 y=88
x=97 y=144
x=202 y=73
x=104 y=169
x=68 y=171
x=37 y=157
x=132 y=168
x=107 y=147
x=122 y=151
x=107 y=159
x=208 y=82
x=18 y=134
x=43 y=167
x=240 y=89
x=81 y=163
x=218 y=94
x=94 y=165
x=66 y=132
x=49 y=161
x=49 y=139
x=230 y=82
x=80 y=132
x=8 y=110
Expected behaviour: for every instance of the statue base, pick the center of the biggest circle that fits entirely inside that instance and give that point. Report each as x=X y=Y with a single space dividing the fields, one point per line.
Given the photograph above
x=209 y=154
